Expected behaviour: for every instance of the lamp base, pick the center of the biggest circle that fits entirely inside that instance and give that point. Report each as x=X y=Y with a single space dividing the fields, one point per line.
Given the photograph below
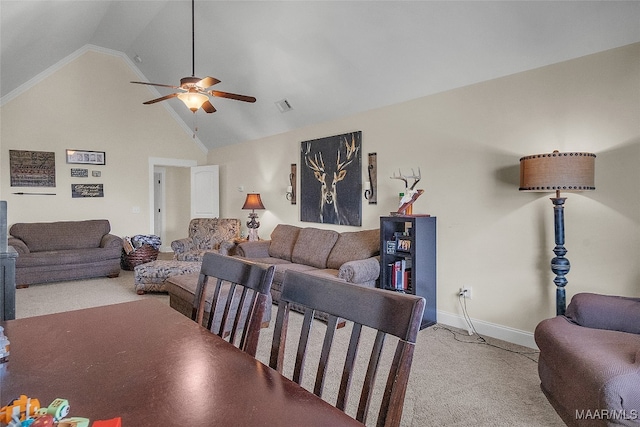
x=560 y=265
x=253 y=225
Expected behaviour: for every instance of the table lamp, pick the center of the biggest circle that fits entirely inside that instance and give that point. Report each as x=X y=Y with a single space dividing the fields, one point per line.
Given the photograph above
x=253 y=202
x=558 y=172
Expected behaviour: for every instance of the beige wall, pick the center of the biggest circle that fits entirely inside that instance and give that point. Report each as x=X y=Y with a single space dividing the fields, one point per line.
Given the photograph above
x=89 y=104
x=467 y=143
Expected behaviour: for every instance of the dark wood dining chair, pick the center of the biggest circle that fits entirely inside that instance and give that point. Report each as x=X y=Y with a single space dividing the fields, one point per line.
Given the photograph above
x=389 y=313
x=239 y=300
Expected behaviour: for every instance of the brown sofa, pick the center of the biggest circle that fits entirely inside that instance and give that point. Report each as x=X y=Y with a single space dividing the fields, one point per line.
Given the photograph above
x=349 y=256
x=589 y=362
x=64 y=250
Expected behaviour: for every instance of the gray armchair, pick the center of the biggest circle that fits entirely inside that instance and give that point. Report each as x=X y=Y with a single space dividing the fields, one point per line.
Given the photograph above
x=207 y=235
x=589 y=361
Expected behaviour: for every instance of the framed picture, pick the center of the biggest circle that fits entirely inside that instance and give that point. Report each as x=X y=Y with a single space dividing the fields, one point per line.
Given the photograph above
x=32 y=168
x=86 y=157
x=331 y=180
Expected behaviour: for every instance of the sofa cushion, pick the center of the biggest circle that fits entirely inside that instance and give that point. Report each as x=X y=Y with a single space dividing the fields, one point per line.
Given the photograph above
x=62 y=235
x=354 y=245
x=283 y=240
x=69 y=257
x=313 y=246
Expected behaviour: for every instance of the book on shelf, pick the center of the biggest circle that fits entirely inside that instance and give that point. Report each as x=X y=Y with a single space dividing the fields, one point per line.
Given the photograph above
x=399 y=278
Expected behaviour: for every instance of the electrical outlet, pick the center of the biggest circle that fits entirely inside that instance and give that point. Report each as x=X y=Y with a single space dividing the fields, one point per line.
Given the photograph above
x=465 y=292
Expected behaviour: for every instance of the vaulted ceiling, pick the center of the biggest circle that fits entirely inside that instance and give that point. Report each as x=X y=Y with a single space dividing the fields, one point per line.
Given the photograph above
x=328 y=59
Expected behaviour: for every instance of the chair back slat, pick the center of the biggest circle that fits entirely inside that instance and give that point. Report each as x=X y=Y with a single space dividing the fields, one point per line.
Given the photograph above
x=332 y=323
x=349 y=363
x=370 y=377
x=301 y=354
x=388 y=313
x=239 y=300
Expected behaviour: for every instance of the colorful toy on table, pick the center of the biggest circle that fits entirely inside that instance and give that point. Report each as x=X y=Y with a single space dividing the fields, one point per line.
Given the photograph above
x=45 y=420
x=20 y=409
x=58 y=409
x=74 y=422
x=114 y=422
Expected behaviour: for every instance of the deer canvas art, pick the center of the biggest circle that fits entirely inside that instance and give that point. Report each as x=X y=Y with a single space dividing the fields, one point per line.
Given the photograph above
x=331 y=180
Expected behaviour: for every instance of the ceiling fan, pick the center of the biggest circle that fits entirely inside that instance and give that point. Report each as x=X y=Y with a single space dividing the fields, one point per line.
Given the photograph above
x=193 y=89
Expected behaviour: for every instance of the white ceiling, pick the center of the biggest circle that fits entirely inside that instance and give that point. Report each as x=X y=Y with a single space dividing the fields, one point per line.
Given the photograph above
x=329 y=59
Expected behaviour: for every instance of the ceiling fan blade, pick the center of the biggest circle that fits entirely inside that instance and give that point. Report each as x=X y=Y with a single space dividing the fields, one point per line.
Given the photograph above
x=208 y=81
x=153 y=101
x=156 y=84
x=208 y=107
x=232 y=96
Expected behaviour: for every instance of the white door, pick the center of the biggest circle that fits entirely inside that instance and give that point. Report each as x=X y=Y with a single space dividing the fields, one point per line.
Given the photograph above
x=205 y=188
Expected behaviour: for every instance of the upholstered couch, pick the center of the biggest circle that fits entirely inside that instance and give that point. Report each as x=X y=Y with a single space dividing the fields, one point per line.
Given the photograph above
x=589 y=362
x=207 y=235
x=64 y=250
x=349 y=256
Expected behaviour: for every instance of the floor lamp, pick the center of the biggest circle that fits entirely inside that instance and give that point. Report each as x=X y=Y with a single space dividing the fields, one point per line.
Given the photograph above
x=558 y=172
x=253 y=202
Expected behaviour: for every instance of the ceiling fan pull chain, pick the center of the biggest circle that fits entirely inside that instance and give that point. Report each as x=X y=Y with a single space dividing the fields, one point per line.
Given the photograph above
x=195 y=125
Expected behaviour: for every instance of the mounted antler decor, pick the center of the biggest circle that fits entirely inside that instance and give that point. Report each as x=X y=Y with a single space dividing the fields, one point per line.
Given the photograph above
x=410 y=194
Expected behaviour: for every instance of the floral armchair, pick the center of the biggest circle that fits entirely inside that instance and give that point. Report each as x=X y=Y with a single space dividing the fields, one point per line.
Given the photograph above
x=207 y=235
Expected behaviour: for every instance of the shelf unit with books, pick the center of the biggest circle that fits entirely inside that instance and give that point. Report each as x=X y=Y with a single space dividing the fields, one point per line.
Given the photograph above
x=408 y=259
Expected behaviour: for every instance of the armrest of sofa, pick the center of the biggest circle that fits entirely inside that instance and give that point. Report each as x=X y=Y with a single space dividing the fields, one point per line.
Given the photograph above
x=254 y=249
x=111 y=241
x=181 y=246
x=609 y=312
x=20 y=246
x=360 y=271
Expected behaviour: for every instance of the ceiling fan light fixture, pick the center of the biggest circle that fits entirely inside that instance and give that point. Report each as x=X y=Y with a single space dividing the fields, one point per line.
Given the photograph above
x=193 y=100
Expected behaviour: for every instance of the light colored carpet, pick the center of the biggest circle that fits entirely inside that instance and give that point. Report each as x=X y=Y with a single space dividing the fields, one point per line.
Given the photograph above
x=455 y=379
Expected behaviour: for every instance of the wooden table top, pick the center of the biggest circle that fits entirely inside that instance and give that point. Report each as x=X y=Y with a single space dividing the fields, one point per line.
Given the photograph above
x=151 y=366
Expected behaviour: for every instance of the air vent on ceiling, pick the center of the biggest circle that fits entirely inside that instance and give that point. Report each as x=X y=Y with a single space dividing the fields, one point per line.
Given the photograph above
x=284 y=106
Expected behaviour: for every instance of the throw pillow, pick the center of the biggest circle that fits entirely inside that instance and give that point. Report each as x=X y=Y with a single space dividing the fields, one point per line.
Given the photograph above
x=283 y=239
x=354 y=245
x=313 y=247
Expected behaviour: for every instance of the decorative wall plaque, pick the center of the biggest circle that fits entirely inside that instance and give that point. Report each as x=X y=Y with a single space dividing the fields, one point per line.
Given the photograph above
x=32 y=168
x=87 y=190
x=79 y=173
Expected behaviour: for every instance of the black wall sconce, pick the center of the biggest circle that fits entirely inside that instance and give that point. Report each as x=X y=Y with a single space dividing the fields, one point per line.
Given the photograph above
x=371 y=186
x=291 y=189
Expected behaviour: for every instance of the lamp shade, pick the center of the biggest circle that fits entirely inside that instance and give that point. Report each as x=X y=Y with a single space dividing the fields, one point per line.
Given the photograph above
x=253 y=201
x=557 y=172
x=193 y=100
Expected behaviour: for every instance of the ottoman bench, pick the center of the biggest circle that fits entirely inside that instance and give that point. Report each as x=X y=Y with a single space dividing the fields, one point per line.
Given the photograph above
x=151 y=277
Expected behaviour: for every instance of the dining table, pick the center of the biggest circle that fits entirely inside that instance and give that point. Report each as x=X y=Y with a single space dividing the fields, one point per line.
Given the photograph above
x=150 y=365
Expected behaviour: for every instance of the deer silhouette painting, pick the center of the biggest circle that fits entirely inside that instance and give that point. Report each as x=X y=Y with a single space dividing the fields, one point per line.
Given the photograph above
x=331 y=180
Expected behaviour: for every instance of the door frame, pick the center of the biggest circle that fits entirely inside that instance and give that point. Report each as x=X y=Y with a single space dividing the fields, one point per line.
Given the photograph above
x=160 y=161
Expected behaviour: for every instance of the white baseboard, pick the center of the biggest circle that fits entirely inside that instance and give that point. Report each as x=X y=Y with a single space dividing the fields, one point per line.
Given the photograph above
x=493 y=330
